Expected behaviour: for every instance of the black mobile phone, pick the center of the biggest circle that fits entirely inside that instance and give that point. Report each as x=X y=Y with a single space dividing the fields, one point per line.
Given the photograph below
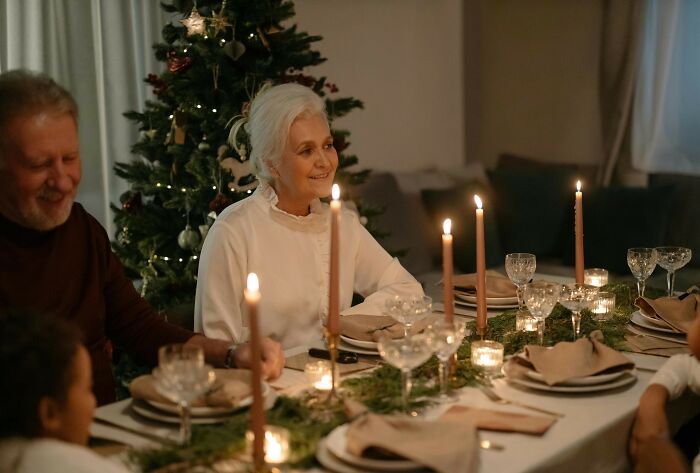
x=345 y=357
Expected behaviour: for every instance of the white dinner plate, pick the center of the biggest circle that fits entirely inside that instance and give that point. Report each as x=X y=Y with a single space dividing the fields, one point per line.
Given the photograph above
x=336 y=443
x=145 y=410
x=671 y=337
x=583 y=380
x=628 y=377
x=496 y=302
x=646 y=322
x=362 y=351
x=359 y=343
x=206 y=411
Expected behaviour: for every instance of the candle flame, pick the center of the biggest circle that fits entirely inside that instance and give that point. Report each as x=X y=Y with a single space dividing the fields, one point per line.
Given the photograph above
x=253 y=284
x=477 y=199
x=447 y=226
x=335 y=192
x=578 y=186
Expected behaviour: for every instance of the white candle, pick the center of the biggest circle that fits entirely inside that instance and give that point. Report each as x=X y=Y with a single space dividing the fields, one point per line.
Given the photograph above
x=333 y=324
x=578 y=228
x=597 y=277
x=319 y=375
x=257 y=410
x=276 y=441
x=480 y=268
x=447 y=270
x=487 y=355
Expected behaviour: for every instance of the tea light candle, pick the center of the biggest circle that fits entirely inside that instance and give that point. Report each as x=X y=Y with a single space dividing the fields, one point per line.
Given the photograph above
x=604 y=305
x=320 y=375
x=487 y=355
x=525 y=323
x=597 y=277
x=276 y=444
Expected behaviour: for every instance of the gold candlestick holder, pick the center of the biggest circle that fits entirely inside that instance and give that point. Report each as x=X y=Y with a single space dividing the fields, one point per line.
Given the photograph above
x=332 y=342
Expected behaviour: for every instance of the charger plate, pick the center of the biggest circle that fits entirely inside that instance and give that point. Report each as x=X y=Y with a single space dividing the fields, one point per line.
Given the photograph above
x=652 y=324
x=206 y=411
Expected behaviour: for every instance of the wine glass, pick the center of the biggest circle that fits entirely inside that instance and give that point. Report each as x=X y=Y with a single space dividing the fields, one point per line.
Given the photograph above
x=408 y=309
x=577 y=297
x=540 y=298
x=182 y=376
x=445 y=337
x=672 y=258
x=405 y=354
x=520 y=267
x=642 y=262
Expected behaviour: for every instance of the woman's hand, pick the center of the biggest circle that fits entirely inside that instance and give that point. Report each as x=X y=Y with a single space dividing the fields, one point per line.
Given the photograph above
x=650 y=422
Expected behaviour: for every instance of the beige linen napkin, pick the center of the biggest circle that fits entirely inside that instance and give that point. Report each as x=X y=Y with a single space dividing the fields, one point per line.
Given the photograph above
x=371 y=328
x=584 y=357
x=679 y=314
x=654 y=346
x=497 y=285
x=485 y=419
x=230 y=387
x=419 y=440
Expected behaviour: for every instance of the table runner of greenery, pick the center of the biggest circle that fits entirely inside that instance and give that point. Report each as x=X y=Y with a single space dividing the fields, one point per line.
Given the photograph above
x=379 y=390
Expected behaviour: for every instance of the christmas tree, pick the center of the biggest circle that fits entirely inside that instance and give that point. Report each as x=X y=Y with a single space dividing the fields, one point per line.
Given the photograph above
x=218 y=56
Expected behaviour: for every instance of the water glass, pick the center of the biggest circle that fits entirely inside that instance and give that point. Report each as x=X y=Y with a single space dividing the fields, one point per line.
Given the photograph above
x=445 y=337
x=405 y=354
x=577 y=297
x=182 y=376
x=672 y=258
x=409 y=309
x=642 y=262
x=540 y=298
x=520 y=268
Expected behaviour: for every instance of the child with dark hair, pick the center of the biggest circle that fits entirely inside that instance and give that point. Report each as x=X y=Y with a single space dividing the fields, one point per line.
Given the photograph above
x=47 y=405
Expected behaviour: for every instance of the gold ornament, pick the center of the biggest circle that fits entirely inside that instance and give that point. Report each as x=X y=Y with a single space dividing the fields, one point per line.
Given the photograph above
x=194 y=23
x=218 y=21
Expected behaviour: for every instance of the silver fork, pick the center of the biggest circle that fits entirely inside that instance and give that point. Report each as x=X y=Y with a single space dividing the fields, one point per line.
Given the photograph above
x=491 y=394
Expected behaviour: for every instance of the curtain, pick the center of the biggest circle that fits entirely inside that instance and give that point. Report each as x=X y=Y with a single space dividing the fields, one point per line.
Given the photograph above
x=100 y=50
x=666 y=116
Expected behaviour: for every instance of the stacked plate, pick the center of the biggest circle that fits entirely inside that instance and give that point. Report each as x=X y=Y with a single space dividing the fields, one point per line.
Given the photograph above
x=358 y=346
x=642 y=324
x=492 y=303
x=332 y=454
x=170 y=414
x=521 y=376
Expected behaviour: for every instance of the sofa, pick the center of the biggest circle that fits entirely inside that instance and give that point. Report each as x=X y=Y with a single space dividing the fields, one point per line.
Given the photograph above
x=528 y=207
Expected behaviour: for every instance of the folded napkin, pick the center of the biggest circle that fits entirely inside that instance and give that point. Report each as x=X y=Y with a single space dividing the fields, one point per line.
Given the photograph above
x=584 y=357
x=371 y=328
x=419 y=440
x=485 y=419
x=679 y=314
x=497 y=285
x=230 y=387
x=654 y=346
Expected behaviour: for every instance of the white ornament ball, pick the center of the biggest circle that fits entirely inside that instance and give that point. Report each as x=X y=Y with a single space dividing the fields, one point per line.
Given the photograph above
x=188 y=239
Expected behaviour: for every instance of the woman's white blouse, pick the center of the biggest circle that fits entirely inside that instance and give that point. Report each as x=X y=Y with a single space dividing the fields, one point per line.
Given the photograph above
x=291 y=256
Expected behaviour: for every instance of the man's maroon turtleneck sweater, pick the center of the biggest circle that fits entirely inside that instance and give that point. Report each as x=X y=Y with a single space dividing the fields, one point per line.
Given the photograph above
x=72 y=273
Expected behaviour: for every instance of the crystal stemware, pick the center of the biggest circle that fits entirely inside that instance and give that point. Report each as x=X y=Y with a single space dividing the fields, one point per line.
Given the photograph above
x=182 y=376
x=520 y=268
x=577 y=297
x=672 y=258
x=408 y=309
x=642 y=262
x=445 y=338
x=405 y=354
x=540 y=298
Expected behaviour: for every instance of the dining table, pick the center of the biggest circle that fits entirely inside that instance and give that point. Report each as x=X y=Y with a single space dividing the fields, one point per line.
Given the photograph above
x=591 y=434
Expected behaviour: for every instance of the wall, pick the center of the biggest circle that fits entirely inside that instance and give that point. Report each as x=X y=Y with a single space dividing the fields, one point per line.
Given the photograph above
x=403 y=58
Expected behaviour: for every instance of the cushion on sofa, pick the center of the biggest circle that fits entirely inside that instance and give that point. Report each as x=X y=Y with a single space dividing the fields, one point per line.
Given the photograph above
x=458 y=204
x=618 y=218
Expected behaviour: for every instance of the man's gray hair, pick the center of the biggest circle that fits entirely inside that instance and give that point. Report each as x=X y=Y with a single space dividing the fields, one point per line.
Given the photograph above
x=272 y=114
x=24 y=93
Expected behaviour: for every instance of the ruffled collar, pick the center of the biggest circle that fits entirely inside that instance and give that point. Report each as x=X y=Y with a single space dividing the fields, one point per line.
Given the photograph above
x=315 y=221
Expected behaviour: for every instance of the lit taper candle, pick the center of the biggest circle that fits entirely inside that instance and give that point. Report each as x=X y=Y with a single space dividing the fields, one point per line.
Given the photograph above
x=257 y=410
x=578 y=228
x=333 y=325
x=480 y=269
x=447 y=269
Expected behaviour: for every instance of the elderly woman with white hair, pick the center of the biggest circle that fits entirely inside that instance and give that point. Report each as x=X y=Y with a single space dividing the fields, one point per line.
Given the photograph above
x=282 y=233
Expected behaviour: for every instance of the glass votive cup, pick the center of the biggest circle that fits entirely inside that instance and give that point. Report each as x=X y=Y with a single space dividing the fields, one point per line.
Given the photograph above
x=596 y=277
x=276 y=444
x=525 y=322
x=487 y=356
x=319 y=374
x=604 y=306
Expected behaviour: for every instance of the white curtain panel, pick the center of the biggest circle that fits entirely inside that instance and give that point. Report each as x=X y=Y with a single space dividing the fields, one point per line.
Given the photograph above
x=100 y=50
x=666 y=117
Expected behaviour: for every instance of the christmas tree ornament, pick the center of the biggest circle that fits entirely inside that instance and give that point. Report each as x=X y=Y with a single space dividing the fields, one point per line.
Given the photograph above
x=159 y=85
x=218 y=21
x=234 y=49
x=177 y=63
x=194 y=23
x=188 y=239
x=203 y=146
x=123 y=236
x=131 y=201
x=219 y=203
x=203 y=230
x=150 y=134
